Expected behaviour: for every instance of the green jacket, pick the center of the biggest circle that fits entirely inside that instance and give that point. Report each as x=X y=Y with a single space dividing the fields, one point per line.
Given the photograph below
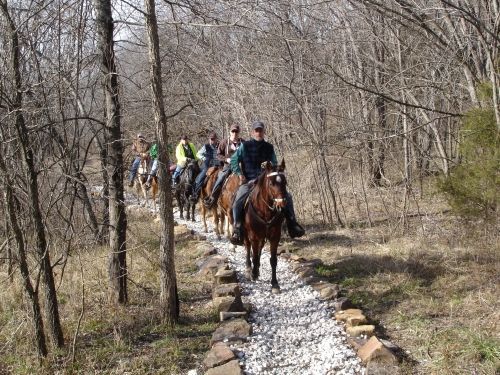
x=153 y=151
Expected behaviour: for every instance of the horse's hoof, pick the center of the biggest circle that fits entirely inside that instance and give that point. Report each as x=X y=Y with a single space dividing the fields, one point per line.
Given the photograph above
x=248 y=274
x=233 y=247
x=275 y=290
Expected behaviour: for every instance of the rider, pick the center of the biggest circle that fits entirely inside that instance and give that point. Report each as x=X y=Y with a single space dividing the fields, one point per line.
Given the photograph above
x=226 y=149
x=185 y=150
x=251 y=154
x=153 y=153
x=139 y=146
x=208 y=155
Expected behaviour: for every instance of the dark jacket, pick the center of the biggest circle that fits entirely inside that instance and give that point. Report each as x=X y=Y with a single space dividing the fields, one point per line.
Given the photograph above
x=251 y=154
x=227 y=148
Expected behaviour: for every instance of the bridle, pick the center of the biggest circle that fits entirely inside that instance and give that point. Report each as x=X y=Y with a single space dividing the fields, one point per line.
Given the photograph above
x=275 y=200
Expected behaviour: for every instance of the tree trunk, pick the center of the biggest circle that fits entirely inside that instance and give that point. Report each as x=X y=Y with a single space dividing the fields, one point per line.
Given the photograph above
x=31 y=292
x=168 y=283
x=51 y=304
x=117 y=267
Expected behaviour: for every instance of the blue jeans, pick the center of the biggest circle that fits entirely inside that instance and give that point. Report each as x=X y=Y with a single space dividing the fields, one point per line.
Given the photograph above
x=134 y=168
x=198 y=182
x=177 y=172
x=154 y=167
x=220 y=179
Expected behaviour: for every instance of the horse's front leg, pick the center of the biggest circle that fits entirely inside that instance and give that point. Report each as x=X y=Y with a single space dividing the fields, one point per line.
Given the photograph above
x=145 y=192
x=188 y=207
x=248 y=271
x=181 y=206
x=204 y=217
x=275 y=288
x=216 y=222
x=193 y=205
x=256 y=248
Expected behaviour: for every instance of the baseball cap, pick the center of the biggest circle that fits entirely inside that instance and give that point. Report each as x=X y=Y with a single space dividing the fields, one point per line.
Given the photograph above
x=257 y=125
x=184 y=137
x=235 y=127
x=139 y=135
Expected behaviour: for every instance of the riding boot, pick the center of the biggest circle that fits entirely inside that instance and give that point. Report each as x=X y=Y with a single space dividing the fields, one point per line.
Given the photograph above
x=237 y=235
x=295 y=230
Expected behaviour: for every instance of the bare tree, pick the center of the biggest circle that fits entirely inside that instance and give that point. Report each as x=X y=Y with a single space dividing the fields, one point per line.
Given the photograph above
x=28 y=159
x=168 y=284
x=117 y=215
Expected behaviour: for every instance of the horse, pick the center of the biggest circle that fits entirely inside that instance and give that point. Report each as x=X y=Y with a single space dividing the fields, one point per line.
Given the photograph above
x=212 y=174
x=264 y=218
x=141 y=178
x=225 y=202
x=184 y=189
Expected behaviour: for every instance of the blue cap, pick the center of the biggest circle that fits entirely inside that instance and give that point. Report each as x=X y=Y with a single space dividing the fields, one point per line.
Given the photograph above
x=257 y=125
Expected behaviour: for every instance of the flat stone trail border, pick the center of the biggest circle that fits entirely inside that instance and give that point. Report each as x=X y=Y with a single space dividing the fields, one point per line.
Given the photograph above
x=294 y=332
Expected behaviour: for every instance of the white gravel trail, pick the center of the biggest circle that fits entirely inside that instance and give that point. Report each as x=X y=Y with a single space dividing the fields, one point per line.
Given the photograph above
x=293 y=332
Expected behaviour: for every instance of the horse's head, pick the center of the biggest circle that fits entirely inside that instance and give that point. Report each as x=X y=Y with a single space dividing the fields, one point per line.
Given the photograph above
x=274 y=182
x=192 y=170
x=143 y=165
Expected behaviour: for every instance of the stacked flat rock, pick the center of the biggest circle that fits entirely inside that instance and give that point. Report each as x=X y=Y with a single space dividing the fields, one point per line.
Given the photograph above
x=292 y=332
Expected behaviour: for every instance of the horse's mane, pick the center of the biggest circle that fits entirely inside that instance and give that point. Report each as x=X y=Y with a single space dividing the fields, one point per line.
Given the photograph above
x=260 y=182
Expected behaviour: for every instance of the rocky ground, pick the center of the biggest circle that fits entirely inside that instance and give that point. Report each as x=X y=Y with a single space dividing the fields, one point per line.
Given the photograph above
x=292 y=332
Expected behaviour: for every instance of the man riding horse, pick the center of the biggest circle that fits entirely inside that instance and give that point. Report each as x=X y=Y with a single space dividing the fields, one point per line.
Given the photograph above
x=252 y=155
x=139 y=146
x=225 y=150
x=184 y=152
x=208 y=155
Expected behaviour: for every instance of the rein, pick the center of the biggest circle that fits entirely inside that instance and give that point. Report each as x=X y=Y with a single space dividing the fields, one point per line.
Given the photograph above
x=267 y=223
x=278 y=215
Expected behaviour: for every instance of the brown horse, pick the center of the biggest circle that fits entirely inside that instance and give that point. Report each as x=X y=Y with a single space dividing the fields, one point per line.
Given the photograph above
x=225 y=202
x=264 y=218
x=212 y=174
x=141 y=178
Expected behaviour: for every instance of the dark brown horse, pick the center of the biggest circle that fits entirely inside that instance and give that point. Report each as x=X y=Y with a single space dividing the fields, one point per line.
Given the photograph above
x=184 y=190
x=264 y=218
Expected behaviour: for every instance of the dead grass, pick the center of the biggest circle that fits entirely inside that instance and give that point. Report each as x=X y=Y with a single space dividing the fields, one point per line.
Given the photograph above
x=130 y=339
x=433 y=291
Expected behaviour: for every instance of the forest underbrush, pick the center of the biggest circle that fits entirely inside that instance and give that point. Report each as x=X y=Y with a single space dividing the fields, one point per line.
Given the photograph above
x=428 y=281
x=102 y=339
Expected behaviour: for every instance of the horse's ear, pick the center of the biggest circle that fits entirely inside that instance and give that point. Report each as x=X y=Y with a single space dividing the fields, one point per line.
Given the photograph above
x=281 y=167
x=267 y=166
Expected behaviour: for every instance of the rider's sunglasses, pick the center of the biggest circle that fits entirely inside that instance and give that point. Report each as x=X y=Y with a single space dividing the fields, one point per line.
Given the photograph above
x=235 y=131
x=258 y=130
